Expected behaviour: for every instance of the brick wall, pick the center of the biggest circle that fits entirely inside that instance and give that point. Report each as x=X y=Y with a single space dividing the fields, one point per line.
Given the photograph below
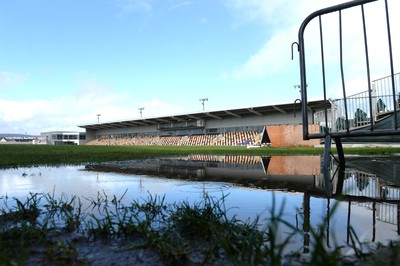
x=294 y=165
x=291 y=136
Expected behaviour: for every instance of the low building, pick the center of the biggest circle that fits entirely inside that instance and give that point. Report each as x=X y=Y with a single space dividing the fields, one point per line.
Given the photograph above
x=16 y=139
x=64 y=137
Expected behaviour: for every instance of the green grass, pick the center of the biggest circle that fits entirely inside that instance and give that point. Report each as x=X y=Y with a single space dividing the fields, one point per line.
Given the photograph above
x=174 y=231
x=33 y=155
x=200 y=233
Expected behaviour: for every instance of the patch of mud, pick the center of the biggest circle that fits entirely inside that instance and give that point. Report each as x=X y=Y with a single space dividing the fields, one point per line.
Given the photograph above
x=106 y=253
x=74 y=249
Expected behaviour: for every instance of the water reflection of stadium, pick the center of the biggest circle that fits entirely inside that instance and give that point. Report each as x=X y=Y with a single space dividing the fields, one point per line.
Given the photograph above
x=368 y=182
x=366 y=177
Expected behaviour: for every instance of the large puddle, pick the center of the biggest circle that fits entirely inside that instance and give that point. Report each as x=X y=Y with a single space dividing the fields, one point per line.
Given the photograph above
x=367 y=192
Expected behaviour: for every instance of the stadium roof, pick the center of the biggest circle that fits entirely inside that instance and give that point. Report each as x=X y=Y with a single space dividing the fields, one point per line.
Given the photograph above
x=223 y=114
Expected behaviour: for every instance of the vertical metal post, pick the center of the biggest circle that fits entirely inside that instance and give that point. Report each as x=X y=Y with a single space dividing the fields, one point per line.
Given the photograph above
x=348 y=221
x=326 y=160
x=141 y=110
x=341 y=70
x=306 y=222
x=323 y=72
x=398 y=219
x=373 y=221
x=202 y=101
x=303 y=81
x=391 y=65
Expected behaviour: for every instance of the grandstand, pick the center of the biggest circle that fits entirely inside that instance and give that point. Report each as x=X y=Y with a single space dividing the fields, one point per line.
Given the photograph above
x=253 y=126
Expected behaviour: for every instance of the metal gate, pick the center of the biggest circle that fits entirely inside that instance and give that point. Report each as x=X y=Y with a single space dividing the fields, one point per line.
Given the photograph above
x=359 y=114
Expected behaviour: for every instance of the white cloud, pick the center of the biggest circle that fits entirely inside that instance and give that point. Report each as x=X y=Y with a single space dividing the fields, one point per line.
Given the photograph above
x=277 y=14
x=132 y=6
x=69 y=111
x=8 y=78
x=176 y=4
x=354 y=59
x=282 y=20
x=17 y=111
x=270 y=59
x=156 y=107
x=257 y=9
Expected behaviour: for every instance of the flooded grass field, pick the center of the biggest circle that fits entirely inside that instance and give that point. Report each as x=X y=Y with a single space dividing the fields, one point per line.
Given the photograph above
x=365 y=196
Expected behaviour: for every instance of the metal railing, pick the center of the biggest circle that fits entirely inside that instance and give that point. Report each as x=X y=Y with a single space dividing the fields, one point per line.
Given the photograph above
x=340 y=117
x=358 y=107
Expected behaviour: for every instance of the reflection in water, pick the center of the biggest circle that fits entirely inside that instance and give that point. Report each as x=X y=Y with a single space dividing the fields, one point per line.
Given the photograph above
x=293 y=173
x=364 y=193
x=367 y=196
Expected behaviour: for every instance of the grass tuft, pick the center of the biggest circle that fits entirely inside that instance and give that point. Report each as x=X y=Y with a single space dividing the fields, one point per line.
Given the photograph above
x=200 y=233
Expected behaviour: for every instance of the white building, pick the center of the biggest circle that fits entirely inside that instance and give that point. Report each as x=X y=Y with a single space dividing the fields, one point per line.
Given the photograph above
x=64 y=137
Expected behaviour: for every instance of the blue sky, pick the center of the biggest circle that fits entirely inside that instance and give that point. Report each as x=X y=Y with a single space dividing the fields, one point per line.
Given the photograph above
x=63 y=62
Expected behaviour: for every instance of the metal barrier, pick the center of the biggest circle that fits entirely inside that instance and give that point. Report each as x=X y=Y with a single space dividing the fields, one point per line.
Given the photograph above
x=358 y=106
x=356 y=115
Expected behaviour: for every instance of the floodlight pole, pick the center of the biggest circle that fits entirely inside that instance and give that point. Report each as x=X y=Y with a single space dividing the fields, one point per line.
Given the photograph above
x=299 y=87
x=202 y=101
x=98 y=118
x=141 y=110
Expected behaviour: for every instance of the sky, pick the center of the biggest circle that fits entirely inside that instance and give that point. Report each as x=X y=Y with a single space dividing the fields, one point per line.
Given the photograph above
x=64 y=62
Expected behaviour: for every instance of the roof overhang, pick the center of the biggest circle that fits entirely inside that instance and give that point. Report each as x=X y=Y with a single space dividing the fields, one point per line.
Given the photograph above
x=219 y=115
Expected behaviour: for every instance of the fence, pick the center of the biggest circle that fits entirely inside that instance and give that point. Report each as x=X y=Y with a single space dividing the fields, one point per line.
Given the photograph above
x=360 y=112
x=355 y=115
x=359 y=109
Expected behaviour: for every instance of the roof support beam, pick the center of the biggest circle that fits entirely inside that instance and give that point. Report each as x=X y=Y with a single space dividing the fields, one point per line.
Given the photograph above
x=150 y=121
x=193 y=117
x=279 y=109
x=214 y=116
x=128 y=124
x=163 y=120
x=251 y=110
x=176 y=118
x=109 y=126
x=232 y=114
x=143 y=123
